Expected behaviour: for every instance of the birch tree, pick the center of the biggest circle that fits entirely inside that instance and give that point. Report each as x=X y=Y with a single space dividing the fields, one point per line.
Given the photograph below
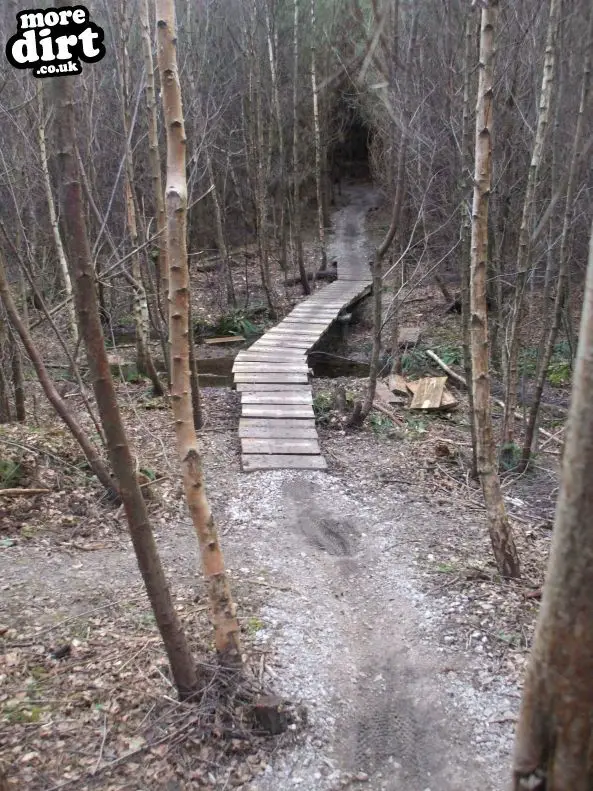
x=154 y=160
x=53 y=217
x=563 y=263
x=554 y=737
x=525 y=230
x=226 y=627
x=144 y=361
x=498 y=523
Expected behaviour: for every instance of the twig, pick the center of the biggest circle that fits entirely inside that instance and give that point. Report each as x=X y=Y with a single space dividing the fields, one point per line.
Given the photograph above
x=23 y=492
x=386 y=411
x=100 y=757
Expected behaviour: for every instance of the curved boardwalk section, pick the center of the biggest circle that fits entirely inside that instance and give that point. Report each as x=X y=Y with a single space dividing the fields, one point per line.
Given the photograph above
x=277 y=425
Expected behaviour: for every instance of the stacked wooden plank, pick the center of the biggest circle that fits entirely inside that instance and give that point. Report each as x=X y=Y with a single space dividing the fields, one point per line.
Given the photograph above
x=277 y=425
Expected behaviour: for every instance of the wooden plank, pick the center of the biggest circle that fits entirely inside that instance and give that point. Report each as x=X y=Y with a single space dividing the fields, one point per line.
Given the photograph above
x=397 y=384
x=292 y=378
x=429 y=393
x=275 y=423
x=276 y=397
x=275 y=357
x=282 y=343
x=384 y=394
x=254 y=462
x=270 y=387
x=226 y=339
x=305 y=447
x=288 y=355
x=309 y=326
x=296 y=329
x=277 y=410
x=270 y=368
x=270 y=432
x=448 y=401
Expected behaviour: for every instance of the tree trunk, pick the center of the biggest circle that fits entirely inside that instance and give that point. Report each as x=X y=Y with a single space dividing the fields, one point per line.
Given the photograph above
x=554 y=737
x=5 y=416
x=227 y=275
x=18 y=381
x=282 y=189
x=524 y=244
x=466 y=230
x=196 y=396
x=154 y=160
x=144 y=361
x=53 y=219
x=499 y=527
x=226 y=626
x=79 y=255
x=49 y=389
x=530 y=430
x=296 y=190
x=317 y=137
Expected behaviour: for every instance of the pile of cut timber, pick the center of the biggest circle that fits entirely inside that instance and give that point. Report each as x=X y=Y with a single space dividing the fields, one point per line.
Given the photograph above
x=428 y=394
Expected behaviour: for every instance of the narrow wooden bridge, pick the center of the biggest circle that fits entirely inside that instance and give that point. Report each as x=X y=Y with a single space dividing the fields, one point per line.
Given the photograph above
x=277 y=425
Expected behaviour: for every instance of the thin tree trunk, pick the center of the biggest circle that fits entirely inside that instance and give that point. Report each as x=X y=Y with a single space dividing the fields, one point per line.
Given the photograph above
x=466 y=230
x=53 y=219
x=226 y=627
x=283 y=191
x=296 y=188
x=524 y=245
x=178 y=653
x=5 y=416
x=317 y=138
x=554 y=736
x=144 y=361
x=500 y=530
x=222 y=246
x=48 y=386
x=18 y=381
x=154 y=160
x=196 y=396
x=530 y=430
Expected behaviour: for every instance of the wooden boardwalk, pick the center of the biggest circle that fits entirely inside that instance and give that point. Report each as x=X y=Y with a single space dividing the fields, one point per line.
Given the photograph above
x=277 y=425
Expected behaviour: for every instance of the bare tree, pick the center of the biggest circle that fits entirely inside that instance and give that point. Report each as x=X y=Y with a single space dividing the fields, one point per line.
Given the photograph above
x=53 y=218
x=296 y=176
x=551 y=333
x=226 y=627
x=554 y=738
x=317 y=137
x=122 y=461
x=48 y=386
x=498 y=523
x=154 y=160
x=524 y=242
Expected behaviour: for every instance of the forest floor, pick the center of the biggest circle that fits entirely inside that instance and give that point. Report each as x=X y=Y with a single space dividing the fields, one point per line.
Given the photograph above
x=367 y=595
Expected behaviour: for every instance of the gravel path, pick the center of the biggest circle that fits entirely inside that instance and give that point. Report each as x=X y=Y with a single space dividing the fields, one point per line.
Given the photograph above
x=357 y=642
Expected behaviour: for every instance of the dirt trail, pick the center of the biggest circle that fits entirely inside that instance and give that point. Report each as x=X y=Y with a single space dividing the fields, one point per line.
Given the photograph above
x=390 y=708
x=348 y=243
x=350 y=632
